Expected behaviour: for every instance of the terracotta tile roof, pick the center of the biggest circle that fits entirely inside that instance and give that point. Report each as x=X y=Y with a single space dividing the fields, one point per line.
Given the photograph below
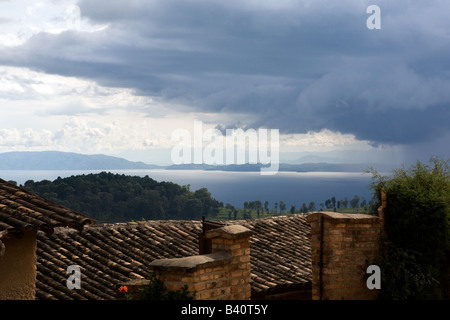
x=280 y=248
x=21 y=210
x=111 y=253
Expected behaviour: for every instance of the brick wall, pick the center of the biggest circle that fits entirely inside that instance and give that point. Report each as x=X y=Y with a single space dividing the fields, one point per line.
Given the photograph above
x=223 y=274
x=342 y=245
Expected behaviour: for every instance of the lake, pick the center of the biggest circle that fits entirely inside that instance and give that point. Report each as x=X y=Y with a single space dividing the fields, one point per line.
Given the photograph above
x=293 y=188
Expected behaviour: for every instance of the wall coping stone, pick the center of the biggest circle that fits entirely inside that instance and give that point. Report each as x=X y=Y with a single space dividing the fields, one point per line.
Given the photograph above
x=192 y=263
x=229 y=232
x=336 y=217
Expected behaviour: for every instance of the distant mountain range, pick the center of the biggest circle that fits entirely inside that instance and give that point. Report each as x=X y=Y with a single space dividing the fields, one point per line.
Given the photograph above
x=55 y=160
x=304 y=167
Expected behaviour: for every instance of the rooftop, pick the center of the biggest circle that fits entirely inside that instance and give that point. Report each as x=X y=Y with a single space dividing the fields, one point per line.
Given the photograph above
x=22 y=211
x=280 y=254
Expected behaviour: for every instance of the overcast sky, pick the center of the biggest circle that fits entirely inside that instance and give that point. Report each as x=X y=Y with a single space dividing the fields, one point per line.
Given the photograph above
x=118 y=77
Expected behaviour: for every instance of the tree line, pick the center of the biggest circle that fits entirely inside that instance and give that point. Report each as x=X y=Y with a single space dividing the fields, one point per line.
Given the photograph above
x=265 y=209
x=108 y=197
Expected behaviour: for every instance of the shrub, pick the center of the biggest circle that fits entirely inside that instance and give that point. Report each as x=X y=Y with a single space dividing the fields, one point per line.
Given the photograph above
x=156 y=290
x=403 y=277
x=417 y=225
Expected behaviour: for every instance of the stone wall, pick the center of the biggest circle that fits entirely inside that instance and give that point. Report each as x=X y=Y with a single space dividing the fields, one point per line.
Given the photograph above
x=223 y=274
x=18 y=266
x=342 y=246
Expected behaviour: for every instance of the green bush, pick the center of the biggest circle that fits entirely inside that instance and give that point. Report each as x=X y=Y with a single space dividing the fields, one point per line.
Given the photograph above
x=156 y=290
x=417 y=225
x=403 y=277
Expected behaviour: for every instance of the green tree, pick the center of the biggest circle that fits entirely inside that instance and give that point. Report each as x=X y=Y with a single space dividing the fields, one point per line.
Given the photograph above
x=364 y=204
x=230 y=208
x=193 y=209
x=14 y=183
x=354 y=203
x=282 y=206
x=417 y=222
x=344 y=203
x=210 y=206
x=266 y=206
x=292 y=210
x=333 y=202
x=259 y=207
x=63 y=190
x=304 y=208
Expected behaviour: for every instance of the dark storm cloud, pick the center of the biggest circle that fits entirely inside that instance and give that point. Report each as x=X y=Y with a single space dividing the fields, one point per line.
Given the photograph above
x=296 y=66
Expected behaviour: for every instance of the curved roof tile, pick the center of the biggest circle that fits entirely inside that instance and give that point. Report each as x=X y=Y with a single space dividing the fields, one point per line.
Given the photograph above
x=21 y=210
x=280 y=254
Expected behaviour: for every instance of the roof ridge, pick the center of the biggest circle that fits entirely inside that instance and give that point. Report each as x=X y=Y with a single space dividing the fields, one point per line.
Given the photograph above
x=183 y=221
x=22 y=209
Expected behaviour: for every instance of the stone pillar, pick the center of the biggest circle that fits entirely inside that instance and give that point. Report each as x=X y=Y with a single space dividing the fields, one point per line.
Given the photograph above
x=205 y=275
x=223 y=274
x=343 y=245
x=235 y=240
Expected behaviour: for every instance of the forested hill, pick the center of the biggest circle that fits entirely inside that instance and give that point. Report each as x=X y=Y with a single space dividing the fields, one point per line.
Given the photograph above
x=109 y=197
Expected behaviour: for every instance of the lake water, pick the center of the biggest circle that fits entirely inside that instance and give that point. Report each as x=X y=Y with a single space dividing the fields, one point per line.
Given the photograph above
x=237 y=187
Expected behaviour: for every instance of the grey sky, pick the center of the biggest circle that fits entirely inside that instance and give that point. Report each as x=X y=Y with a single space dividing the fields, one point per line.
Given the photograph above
x=298 y=66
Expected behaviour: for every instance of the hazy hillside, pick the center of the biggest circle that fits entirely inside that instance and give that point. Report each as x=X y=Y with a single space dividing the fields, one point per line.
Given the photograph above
x=305 y=167
x=54 y=160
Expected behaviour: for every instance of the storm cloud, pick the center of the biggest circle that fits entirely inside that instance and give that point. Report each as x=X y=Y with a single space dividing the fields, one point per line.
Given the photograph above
x=298 y=66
